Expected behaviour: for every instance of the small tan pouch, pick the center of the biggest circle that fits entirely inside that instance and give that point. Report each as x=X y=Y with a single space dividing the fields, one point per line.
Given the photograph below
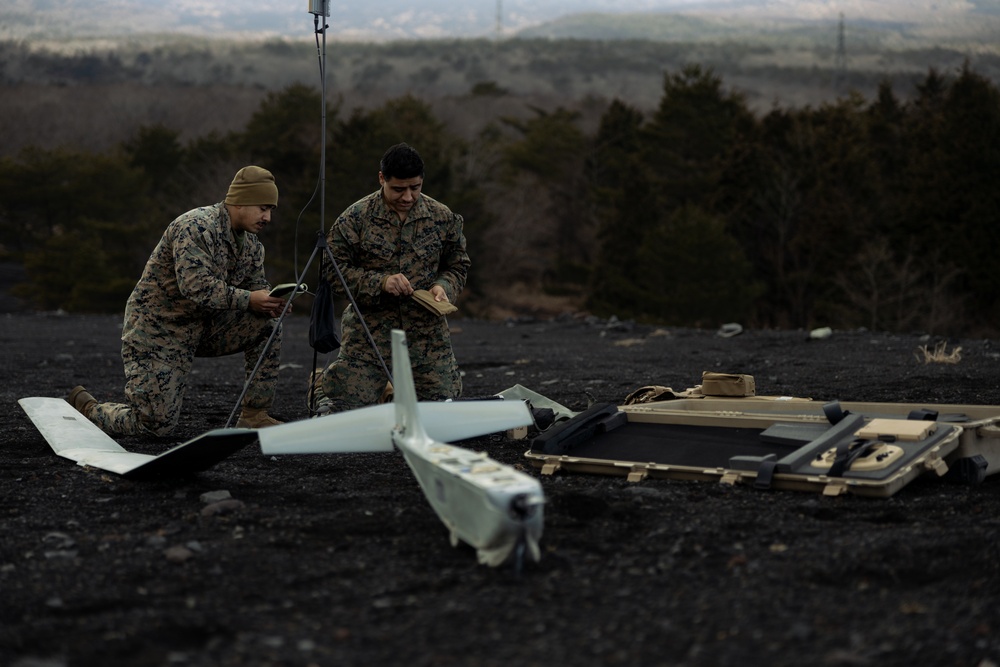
x=897 y=429
x=727 y=384
x=426 y=299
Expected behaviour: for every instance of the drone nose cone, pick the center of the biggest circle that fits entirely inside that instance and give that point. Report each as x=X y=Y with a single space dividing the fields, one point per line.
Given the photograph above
x=524 y=505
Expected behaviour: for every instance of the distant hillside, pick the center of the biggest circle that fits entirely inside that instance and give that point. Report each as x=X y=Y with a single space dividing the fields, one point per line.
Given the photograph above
x=981 y=29
x=62 y=92
x=656 y=27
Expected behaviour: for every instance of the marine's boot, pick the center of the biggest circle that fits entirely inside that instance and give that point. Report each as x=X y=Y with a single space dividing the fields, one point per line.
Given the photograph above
x=81 y=399
x=317 y=401
x=256 y=418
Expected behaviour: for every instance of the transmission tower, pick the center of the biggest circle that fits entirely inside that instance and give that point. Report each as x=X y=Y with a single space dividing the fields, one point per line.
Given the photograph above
x=499 y=30
x=495 y=66
x=840 y=62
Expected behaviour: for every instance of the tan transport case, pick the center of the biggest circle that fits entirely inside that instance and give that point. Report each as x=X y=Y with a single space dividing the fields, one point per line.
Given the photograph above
x=870 y=449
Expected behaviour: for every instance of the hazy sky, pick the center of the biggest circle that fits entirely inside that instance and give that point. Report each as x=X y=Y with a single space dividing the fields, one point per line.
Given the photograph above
x=400 y=18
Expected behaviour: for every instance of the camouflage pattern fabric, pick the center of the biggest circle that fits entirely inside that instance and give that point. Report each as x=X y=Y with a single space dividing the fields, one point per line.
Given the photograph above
x=192 y=301
x=370 y=243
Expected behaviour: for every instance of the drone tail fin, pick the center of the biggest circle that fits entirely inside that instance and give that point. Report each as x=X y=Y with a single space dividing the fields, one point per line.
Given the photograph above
x=404 y=392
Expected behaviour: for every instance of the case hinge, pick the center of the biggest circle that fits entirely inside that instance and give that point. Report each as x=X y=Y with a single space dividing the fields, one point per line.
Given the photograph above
x=731 y=478
x=834 y=489
x=937 y=465
x=637 y=473
x=551 y=465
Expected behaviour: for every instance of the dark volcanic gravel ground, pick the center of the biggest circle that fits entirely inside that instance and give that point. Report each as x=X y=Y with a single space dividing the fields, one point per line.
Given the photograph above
x=339 y=560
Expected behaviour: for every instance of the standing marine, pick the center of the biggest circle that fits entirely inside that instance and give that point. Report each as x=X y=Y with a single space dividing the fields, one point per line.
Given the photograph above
x=387 y=245
x=201 y=294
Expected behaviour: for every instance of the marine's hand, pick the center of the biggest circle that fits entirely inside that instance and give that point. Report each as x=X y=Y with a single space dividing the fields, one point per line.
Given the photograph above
x=439 y=293
x=265 y=304
x=398 y=285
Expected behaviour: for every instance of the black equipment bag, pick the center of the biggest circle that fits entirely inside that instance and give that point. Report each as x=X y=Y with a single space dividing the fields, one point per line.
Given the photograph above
x=323 y=336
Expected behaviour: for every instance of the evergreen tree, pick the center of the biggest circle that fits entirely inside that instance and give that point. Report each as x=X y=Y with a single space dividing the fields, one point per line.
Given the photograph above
x=800 y=201
x=80 y=230
x=624 y=202
x=692 y=136
x=970 y=170
x=693 y=272
x=360 y=141
x=549 y=156
x=157 y=151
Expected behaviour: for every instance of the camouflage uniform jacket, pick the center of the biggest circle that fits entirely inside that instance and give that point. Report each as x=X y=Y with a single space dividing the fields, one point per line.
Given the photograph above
x=370 y=243
x=197 y=268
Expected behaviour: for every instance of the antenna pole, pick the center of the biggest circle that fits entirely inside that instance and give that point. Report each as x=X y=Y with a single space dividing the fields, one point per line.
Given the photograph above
x=321 y=8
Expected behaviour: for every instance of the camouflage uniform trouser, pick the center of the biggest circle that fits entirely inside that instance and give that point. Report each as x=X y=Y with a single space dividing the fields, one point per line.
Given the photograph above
x=350 y=382
x=155 y=382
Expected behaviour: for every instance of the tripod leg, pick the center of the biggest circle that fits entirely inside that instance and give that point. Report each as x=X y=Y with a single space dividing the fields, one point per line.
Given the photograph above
x=357 y=311
x=320 y=244
x=312 y=380
x=270 y=341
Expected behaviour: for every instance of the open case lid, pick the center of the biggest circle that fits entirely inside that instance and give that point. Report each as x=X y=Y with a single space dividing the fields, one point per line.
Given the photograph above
x=856 y=454
x=979 y=440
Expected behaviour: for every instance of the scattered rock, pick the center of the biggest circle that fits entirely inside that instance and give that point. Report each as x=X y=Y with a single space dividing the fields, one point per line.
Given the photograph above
x=214 y=496
x=227 y=506
x=178 y=554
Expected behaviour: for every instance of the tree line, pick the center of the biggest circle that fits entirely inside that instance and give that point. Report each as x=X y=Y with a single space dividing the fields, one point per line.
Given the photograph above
x=876 y=213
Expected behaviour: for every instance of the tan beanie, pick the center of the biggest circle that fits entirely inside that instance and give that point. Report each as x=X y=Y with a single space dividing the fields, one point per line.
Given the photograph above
x=253 y=186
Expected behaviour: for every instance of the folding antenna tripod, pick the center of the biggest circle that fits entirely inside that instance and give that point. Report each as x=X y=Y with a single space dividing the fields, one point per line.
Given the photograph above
x=317 y=8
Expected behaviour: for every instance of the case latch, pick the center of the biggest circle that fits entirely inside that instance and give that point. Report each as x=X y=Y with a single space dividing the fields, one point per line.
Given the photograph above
x=550 y=465
x=637 y=473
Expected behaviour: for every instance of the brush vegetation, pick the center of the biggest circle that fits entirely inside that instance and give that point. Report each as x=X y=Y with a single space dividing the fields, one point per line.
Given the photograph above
x=680 y=183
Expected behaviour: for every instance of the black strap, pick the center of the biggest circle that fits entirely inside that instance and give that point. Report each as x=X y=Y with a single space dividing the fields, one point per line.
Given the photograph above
x=847 y=453
x=834 y=413
x=562 y=437
x=765 y=472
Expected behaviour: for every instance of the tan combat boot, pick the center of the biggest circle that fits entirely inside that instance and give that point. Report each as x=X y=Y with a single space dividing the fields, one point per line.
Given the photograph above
x=81 y=399
x=256 y=418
